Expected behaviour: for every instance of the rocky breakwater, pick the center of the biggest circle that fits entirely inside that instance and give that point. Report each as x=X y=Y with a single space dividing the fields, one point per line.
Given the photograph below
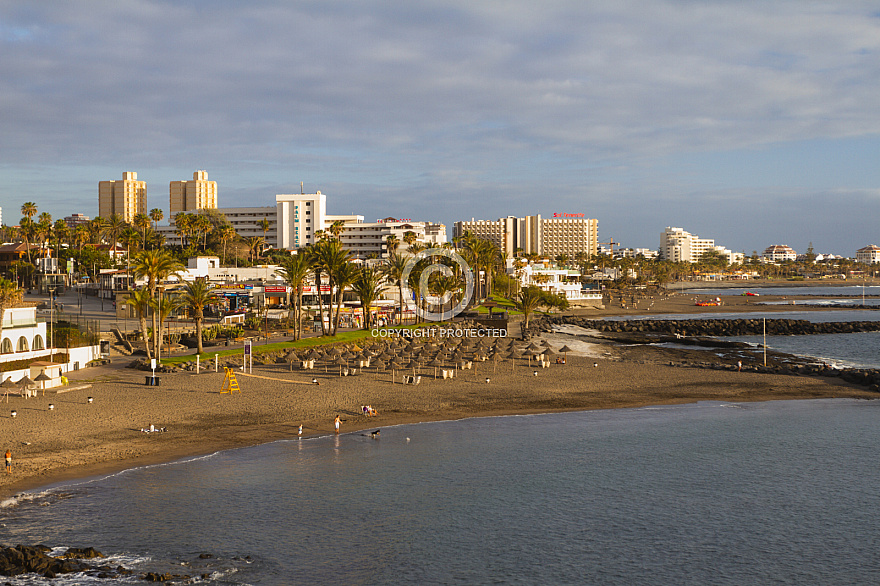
x=711 y=327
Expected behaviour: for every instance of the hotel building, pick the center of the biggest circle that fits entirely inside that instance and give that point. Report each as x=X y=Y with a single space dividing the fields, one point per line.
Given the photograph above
x=779 y=253
x=126 y=198
x=186 y=196
x=548 y=237
x=868 y=255
x=676 y=245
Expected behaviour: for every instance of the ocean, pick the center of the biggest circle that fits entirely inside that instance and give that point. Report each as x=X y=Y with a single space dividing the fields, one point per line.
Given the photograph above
x=764 y=493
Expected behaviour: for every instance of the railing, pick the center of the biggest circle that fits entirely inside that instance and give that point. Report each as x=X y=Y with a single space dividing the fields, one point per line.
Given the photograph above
x=23 y=322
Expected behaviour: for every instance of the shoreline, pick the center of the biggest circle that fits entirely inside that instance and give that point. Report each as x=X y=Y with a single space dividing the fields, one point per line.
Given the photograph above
x=79 y=440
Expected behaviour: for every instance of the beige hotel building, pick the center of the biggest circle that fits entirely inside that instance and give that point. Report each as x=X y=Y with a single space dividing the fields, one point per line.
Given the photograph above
x=547 y=237
x=126 y=198
x=198 y=194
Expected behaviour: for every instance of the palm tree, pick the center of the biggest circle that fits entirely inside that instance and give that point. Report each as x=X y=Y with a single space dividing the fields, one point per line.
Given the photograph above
x=162 y=308
x=142 y=223
x=61 y=232
x=368 y=286
x=264 y=225
x=395 y=269
x=183 y=223
x=196 y=296
x=156 y=215
x=295 y=269
x=336 y=229
x=156 y=265
x=141 y=300
x=255 y=244
x=227 y=233
x=346 y=274
x=329 y=258
x=112 y=228
x=10 y=294
x=28 y=210
x=528 y=301
x=81 y=236
x=393 y=242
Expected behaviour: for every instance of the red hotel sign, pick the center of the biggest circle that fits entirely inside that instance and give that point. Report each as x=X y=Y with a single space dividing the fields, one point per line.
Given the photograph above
x=275 y=289
x=568 y=215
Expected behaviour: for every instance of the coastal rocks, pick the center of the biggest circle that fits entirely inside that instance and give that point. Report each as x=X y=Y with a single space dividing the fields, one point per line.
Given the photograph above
x=166 y=577
x=33 y=559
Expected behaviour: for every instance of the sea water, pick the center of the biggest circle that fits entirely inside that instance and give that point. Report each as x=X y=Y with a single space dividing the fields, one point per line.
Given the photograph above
x=778 y=492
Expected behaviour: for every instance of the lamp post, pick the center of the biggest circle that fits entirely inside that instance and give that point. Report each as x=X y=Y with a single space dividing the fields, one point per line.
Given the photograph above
x=51 y=318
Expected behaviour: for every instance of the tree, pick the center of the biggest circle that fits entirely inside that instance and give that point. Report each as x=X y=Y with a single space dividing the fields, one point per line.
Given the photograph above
x=157 y=216
x=156 y=266
x=295 y=269
x=28 y=210
x=162 y=308
x=112 y=228
x=329 y=258
x=226 y=233
x=409 y=238
x=395 y=268
x=183 y=224
x=528 y=301
x=255 y=246
x=10 y=295
x=141 y=300
x=368 y=286
x=196 y=296
x=142 y=223
x=392 y=242
x=346 y=275
x=336 y=229
x=264 y=225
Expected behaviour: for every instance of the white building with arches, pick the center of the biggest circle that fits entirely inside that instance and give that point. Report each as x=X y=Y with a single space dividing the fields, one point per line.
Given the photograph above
x=23 y=335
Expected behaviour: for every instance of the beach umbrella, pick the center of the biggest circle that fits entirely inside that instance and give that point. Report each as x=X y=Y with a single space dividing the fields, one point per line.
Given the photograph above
x=395 y=365
x=533 y=346
x=435 y=363
x=340 y=362
x=378 y=364
x=545 y=343
x=565 y=350
x=8 y=384
x=42 y=378
x=25 y=382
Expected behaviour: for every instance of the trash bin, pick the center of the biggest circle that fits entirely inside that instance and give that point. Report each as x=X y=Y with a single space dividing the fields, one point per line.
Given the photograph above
x=152 y=381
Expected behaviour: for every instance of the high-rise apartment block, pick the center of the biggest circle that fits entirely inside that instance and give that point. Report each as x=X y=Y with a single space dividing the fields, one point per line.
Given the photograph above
x=198 y=194
x=565 y=234
x=125 y=198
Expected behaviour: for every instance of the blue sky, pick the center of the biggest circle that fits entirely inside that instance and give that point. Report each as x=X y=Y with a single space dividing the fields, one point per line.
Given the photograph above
x=753 y=123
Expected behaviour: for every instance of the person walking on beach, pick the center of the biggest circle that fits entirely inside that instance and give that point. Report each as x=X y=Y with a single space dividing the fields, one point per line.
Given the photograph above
x=336 y=423
x=8 y=461
x=300 y=431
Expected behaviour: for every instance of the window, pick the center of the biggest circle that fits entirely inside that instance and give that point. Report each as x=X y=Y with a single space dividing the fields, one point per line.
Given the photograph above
x=7 y=346
x=22 y=344
x=38 y=342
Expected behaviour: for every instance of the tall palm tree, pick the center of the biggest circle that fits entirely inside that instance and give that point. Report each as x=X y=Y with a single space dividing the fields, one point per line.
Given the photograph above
x=61 y=232
x=368 y=286
x=330 y=259
x=157 y=216
x=10 y=294
x=264 y=226
x=141 y=300
x=196 y=296
x=81 y=236
x=295 y=269
x=156 y=266
x=162 y=308
x=346 y=274
x=142 y=223
x=227 y=233
x=409 y=238
x=255 y=246
x=183 y=224
x=28 y=210
x=395 y=268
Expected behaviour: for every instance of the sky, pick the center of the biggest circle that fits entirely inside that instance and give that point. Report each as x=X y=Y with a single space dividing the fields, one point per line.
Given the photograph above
x=749 y=122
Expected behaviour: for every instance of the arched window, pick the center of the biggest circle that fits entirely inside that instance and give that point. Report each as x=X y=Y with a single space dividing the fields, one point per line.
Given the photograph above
x=7 y=346
x=22 y=344
x=38 y=342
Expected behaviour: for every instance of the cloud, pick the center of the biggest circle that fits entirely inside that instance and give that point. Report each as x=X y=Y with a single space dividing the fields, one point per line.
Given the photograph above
x=491 y=99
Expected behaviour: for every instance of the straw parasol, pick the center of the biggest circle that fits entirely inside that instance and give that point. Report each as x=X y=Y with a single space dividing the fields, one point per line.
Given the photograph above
x=395 y=365
x=8 y=384
x=565 y=350
x=42 y=378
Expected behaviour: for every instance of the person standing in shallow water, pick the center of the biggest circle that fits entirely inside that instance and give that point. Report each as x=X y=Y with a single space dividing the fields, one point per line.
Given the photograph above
x=336 y=423
x=8 y=462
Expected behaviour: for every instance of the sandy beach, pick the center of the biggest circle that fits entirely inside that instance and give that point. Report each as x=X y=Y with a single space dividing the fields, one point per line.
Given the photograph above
x=79 y=439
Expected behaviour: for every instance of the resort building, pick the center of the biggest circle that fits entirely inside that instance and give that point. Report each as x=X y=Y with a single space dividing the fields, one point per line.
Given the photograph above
x=370 y=239
x=547 y=237
x=779 y=253
x=198 y=194
x=75 y=220
x=126 y=198
x=553 y=279
x=676 y=245
x=868 y=255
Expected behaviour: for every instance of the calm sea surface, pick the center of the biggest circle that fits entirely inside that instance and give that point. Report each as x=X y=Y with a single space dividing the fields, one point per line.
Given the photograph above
x=711 y=493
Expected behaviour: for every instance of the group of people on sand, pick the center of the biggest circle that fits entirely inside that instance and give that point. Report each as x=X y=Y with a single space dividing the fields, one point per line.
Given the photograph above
x=369 y=411
x=153 y=429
